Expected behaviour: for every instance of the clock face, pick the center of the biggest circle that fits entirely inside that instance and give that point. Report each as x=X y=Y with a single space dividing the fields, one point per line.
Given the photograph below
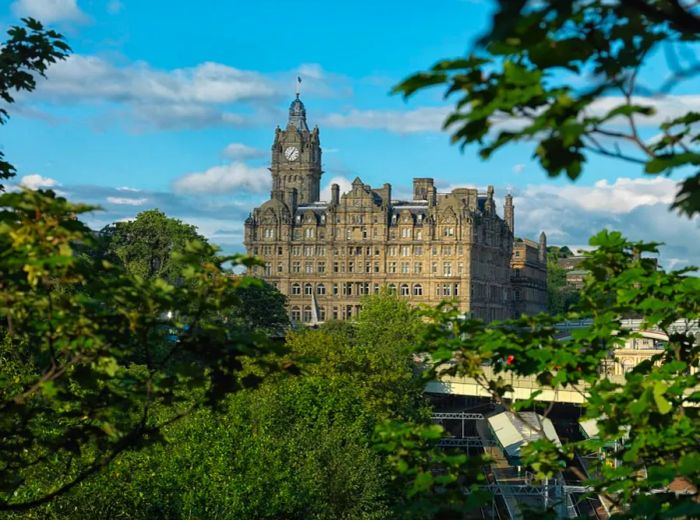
x=291 y=153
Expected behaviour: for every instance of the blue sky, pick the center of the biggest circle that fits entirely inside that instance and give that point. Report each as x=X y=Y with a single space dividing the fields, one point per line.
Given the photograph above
x=158 y=92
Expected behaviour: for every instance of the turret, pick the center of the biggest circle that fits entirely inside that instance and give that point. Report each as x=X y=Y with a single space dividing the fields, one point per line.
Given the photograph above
x=509 y=213
x=543 y=248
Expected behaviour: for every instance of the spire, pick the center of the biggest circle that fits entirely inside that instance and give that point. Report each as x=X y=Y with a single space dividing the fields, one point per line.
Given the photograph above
x=297 y=111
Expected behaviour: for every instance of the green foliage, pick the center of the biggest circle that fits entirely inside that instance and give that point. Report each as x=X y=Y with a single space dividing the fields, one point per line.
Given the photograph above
x=146 y=245
x=518 y=74
x=93 y=350
x=561 y=297
x=261 y=308
x=29 y=50
x=292 y=448
x=652 y=416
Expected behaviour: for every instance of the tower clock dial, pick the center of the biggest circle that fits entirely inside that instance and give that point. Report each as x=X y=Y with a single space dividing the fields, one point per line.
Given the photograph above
x=291 y=153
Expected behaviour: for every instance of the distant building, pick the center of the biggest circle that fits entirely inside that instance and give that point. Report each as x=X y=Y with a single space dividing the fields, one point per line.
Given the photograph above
x=528 y=276
x=326 y=255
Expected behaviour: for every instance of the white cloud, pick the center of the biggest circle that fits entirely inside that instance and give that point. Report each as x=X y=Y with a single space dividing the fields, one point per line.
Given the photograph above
x=224 y=179
x=49 y=11
x=666 y=107
x=242 y=151
x=424 y=119
x=518 y=168
x=127 y=188
x=190 y=97
x=620 y=196
x=35 y=181
x=127 y=201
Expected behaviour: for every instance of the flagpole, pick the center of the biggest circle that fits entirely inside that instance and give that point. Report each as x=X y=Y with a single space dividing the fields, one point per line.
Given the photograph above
x=298 y=86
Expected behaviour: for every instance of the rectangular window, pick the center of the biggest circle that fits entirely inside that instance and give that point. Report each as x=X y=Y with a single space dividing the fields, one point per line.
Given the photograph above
x=309 y=233
x=435 y=250
x=419 y=235
x=418 y=250
x=296 y=250
x=321 y=251
x=405 y=267
x=405 y=250
x=447 y=269
x=392 y=267
x=309 y=251
x=335 y=267
x=296 y=267
x=418 y=267
x=321 y=267
x=433 y=268
x=268 y=268
x=280 y=267
x=351 y=267
x=309 y=267
x=406 y=233
x=376 y=267
x=279 y=250
x=392 y=250
x=447 y=250
x=460 y=267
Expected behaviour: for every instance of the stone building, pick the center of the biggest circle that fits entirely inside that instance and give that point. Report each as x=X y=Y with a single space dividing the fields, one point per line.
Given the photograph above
x=326 y=255
x=528 y=276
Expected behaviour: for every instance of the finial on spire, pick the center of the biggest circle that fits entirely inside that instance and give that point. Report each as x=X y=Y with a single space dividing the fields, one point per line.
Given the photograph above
x=298 y=86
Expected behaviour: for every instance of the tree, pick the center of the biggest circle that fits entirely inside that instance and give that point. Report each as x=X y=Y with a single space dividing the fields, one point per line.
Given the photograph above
x=514 y=87
x=560 y=295
x=145 y=246
x=261 y=308
x=28 y=51
x=94 y=350
x=292 y=448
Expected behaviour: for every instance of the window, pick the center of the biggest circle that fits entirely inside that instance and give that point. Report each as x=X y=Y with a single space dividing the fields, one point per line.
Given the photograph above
x=364 y=233
x=456 y=289
x=335 y=288
x=351 y=267
x=392 y=267
x=280 y=267
x=268 y=268
x=279 y=250
x=435 y=251
x=307 y=313
x=418 y=267
x=460 y=267
x=296 y=250
x=308 y=289
x=269 y=233
x=296 y=314
x=419 y=235
x=376 y=288
x=391 y=288
x=392 y=250
x=446 y=290
x=406 y=251
x=418 y=250
x=321 y=267
x=308 y=267
x=321 y=289
x=448 y=232
x=447 y=250
x=267 y=250
x=296 y=289
x=406 y=233
x=447 y=269
x=322 y=314
x=418 y=290
x=404 y=290
x=348 y=234
x=405 y=267
x=309 y=251
x=433 y=267
x=376 y=267
x=309 y=233
x=364 y=288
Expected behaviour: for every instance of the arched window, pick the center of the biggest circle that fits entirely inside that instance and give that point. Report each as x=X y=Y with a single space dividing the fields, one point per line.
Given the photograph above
x=321 y=289
x=404 y=289
x=392 y=288
x=308 y=289
x=296 y=314
x=307 y=313
x=296 y=288
x=418 y=290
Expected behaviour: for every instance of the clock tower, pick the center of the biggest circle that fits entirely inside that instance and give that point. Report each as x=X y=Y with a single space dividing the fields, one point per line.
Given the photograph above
x=296 y=157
